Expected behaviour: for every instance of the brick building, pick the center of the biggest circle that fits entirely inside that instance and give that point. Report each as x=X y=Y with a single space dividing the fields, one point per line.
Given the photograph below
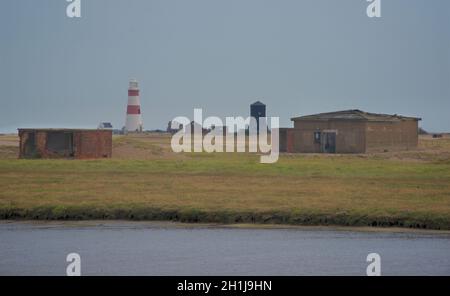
x=65 y=143
x=350 y=131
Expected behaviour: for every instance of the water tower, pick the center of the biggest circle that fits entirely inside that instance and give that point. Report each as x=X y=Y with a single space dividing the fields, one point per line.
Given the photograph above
x=257 y=110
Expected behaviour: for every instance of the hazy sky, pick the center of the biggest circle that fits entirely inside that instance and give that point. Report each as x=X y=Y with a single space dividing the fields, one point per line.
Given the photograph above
x=297 y=56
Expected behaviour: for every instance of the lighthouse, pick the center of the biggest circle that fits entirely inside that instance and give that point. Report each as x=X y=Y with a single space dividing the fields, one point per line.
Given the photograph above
x=134 y=120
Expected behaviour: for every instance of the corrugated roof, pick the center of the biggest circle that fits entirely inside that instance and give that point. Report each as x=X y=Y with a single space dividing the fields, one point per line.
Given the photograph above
x=354 y=114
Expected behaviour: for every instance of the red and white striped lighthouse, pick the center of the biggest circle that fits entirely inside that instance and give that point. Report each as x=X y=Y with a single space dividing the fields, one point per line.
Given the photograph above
x=134 y=119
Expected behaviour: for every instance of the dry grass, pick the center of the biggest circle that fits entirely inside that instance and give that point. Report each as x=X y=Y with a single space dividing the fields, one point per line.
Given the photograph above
x=145 y=180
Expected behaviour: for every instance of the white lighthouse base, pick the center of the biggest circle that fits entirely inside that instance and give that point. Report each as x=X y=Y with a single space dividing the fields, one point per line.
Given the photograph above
x=133 y=123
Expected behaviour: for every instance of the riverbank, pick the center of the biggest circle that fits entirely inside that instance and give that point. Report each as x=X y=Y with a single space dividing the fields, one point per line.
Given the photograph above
x=145 y=181
x=76 y=213
x=126 y=224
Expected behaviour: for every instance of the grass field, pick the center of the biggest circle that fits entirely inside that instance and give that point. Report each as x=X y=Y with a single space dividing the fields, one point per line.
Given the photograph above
x=146 y=181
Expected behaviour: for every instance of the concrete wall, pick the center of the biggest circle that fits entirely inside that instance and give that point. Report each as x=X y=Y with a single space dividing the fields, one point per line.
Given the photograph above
x=392 y=136
x=350 y=135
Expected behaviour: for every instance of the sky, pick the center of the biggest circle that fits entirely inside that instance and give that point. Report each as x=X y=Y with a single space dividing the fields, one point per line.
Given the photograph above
x=299 y=57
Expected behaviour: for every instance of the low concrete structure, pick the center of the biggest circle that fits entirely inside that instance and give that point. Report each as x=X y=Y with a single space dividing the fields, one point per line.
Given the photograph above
x=350 y=131
x=65 y=143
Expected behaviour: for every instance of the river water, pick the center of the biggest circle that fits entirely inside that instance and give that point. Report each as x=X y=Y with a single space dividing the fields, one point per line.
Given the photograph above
x=130 y=248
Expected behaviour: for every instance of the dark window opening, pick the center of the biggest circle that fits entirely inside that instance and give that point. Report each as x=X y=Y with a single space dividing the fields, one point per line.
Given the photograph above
x=60 y=143
x=317 y=137
x=30 y=146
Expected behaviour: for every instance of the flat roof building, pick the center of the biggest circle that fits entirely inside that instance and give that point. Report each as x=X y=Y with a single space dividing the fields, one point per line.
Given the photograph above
x=65 y=143
x=350 y=131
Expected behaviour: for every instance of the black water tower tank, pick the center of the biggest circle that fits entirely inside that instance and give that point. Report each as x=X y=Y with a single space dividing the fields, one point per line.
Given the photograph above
x=257 y=110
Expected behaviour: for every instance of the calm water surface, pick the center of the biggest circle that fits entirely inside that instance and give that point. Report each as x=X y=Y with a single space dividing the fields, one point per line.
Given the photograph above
x=129 y=248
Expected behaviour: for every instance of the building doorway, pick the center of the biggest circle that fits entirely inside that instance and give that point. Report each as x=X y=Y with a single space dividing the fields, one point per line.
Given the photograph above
x=60 y=143
x=29 y=147
x=328 y=142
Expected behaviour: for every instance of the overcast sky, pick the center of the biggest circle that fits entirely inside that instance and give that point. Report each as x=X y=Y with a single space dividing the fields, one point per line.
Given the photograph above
x=297 y=56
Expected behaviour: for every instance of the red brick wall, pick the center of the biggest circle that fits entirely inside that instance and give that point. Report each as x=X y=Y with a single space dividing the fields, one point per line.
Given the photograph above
x=286 y=140
x=86 y=144
x=93 y=144
x=290 y=141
